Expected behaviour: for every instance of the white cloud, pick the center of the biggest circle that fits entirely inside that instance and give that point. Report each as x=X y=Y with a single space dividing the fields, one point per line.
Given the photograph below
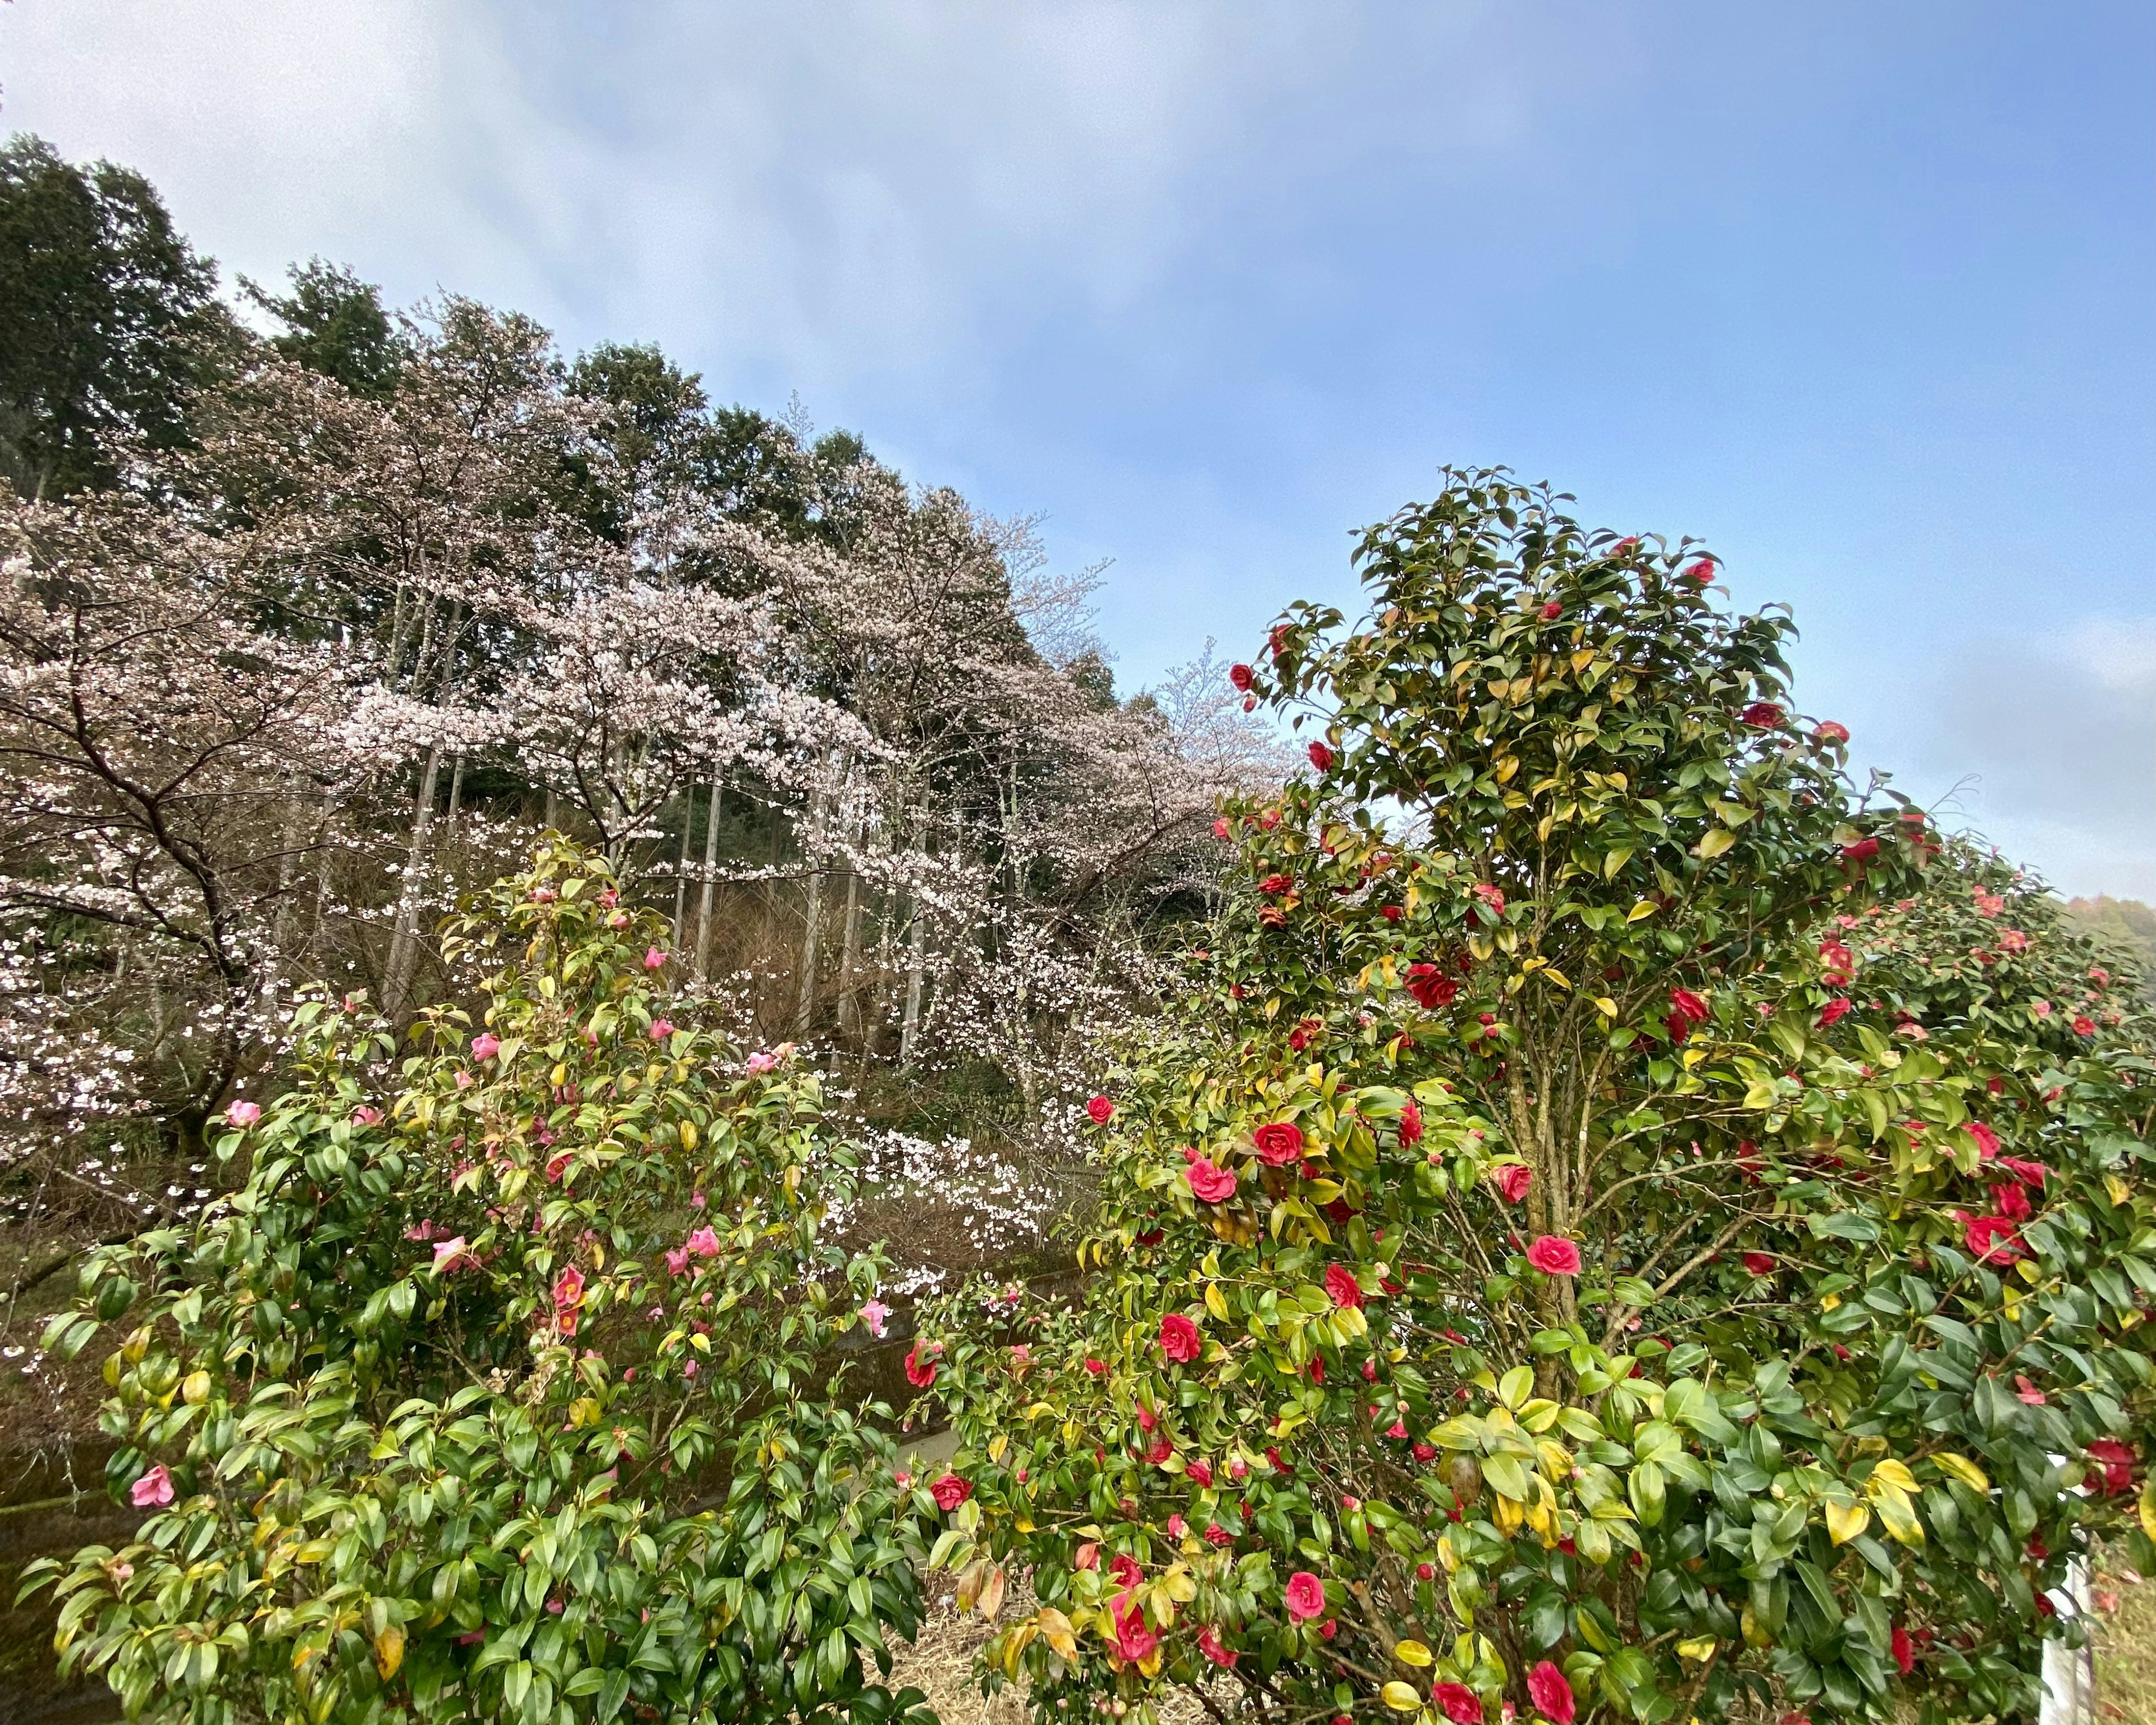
x=2059 y=734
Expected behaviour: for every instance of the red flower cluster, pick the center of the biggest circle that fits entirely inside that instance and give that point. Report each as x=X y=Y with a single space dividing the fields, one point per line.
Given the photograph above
x=1321 y=758
x=1279 y=1143
x=1431 y=986
x=1340 y=1284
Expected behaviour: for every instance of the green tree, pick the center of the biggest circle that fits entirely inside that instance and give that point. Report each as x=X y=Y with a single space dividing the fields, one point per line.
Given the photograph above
x=108 y=321
x=335 y=324
x=1617 y=1224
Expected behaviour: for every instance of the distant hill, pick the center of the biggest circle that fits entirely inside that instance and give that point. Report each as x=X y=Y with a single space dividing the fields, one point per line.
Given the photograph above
x=2127 y=921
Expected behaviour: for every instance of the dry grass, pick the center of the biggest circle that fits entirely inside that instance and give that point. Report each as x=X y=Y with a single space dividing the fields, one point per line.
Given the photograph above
x=2125 y=1646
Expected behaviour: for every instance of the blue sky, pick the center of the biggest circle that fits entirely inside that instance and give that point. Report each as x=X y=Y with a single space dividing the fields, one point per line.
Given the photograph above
x=1861 y=294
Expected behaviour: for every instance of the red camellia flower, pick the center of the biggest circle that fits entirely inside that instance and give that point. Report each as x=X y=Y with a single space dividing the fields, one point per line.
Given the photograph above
x=1214 y=1185
x=1180 y=1339
x=1987 y=1140
x=1198 y=1474
x=1340 y=1284
x=1125 y=1570
x=1100 y=1111
x=1321 y=758
x=1215 y=1534
x=1411 y=1124
x=1554 y=1256
x=1832 y=732
x=1760 y=1263
x=1273 y=885
x=1904 y=1649
x=1424 y=1453
x=1096 y=1366
x=1840 y=963
x=1208 y=1644
x=1548 y=1689
x=1513 y=1179
x=1431 y=986
x=1701 y=571
x=950 y=1491
x=1276 y=637
x=1762 y=716
x=2117 y=1460
x=1241 y=676
x=1304 y=1596
x=920 y=1372
x=2084 y=1025
x=2028 y=1173
x=1862 y=851
x=569 y=1288
x=1992 y=1239
x=1279 y=1143
x=1834 y=1012
x=1459 y=1702
x=2013 y=1202
x=1492 y=895
x=1687 y=1005
x=1552 y=611
x=1134 y=1639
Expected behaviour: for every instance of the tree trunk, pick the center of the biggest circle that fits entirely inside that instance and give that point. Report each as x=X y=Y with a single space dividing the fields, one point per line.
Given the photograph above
x=682 y=865
x=849 y=955
x=404 y=943
x=916 y=958
x=711 y=879
x=456 y=790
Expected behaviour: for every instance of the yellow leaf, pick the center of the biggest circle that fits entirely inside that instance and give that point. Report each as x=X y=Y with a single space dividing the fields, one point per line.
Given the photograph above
x=195 y=1390
x=1645 y=907
x=1962 y=1469
x=991 y=1593
x=1216 y=1302
x=997 y=1445
x=688 y=1135
x=389 y=1651
x=1713 y=844
x=1895 y=1474
x=2118 y=1188
x=1700 y=1648
x=1846 y=1521
x=1896 y=1512
x=1056 y=1629
x=1411 y=1653
x=2149 y=1507
x=1401 y=1697
x=1605 y=1005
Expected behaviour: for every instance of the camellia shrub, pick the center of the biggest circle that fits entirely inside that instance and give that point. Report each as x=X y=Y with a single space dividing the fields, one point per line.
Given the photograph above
x=1620 y=1225
x=494 y=1393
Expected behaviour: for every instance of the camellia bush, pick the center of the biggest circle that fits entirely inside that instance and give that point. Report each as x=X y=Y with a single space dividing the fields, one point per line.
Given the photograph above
x=1619 y=1225
x=494 y=1393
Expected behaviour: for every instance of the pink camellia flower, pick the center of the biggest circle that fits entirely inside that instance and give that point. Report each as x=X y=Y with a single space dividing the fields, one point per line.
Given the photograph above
x=1239 y=1469
x=485 y=1045
x=153 y=1490
x=1760 y=1263
x=421 y=1232
x=697 y=1201
x=244 y=1114
x=1241 y=676
x=1762 y=716
x=1513 y=1179
x=1341 y=1285
x=873 y=1314
x=464 y=1081
x=2013 y=941
x=1321 y=757
x=1213 y=1185
x=1208 y=1644
x=1988 y=904
x=1221 y=829
x=1134 y=1639
x=2027 y=1392
x=1862 y=851
x=452 y=1254
x=1549 y=1691
x=677 y=1261
x=1176 y=1526
x=1278 y=1142
x=654 y=959
x=367 y=1115
x=2013 y=1202
x=1554 y=1256
x=1492 y=895
x=1834 y=1012
x=2042 y=1009
x=1431 y=986
x=1554 y=610
x=1832 y=732
x=1459 y=1703
x=661 y=1028
x=702 y=1244
x=1215 y=1534
x=1180 y=1339
x=1125 y=1570
x=569 y=1288
x=762 y=1063
x=1100 y=1111
x=950 y=1491
x=1304 y=1596
x=1096 y=1368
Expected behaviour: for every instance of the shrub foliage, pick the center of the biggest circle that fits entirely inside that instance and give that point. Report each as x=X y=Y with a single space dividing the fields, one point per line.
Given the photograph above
x=497 y=1392
x=1620 y=1223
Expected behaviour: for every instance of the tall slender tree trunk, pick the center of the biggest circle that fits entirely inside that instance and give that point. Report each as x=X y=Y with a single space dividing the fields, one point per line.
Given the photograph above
x=711 y=880
x=682 y=865
x=456 y=790
x=849 y=954
x=915 y=963
x=403 y=942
